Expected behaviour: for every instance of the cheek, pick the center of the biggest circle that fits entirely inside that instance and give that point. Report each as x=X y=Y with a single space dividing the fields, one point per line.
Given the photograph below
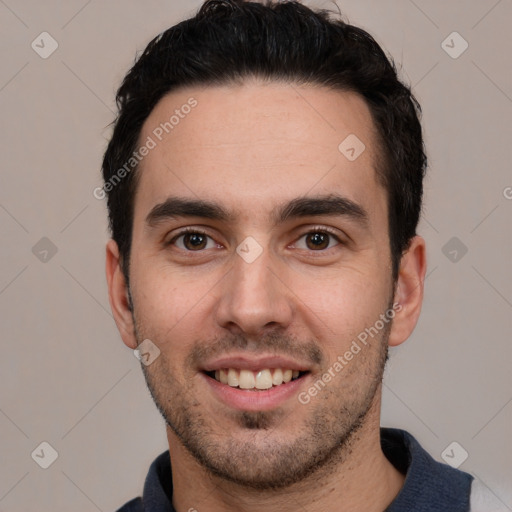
x=166 y=292
x=340 y=307
x=169 y=309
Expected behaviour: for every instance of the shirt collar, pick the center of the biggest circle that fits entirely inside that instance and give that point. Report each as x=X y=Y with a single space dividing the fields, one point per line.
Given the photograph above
x=429 y=485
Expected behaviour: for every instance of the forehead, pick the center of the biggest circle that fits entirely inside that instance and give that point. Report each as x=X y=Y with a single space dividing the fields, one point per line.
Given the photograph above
x=254 y=145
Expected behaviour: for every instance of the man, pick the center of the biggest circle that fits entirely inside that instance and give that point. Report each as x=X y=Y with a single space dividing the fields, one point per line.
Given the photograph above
x=264 y=184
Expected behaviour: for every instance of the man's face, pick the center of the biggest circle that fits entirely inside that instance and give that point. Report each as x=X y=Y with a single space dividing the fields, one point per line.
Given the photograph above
x=265 y=282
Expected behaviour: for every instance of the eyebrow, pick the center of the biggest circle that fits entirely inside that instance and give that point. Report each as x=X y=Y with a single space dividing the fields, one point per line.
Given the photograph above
x=328 y=205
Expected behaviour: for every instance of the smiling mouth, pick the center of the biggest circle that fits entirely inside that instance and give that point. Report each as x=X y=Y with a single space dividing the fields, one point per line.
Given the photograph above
x=255 y=380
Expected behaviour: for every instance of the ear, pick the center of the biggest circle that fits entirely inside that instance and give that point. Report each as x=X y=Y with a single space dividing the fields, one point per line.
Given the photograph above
x=409 y=291
x=118 y=295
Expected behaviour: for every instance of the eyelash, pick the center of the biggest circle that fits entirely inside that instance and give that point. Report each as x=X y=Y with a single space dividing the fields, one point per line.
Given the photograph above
x=187 y=231
x=316 y=229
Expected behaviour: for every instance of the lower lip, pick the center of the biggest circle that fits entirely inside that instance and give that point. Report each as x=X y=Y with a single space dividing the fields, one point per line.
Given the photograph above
x=259 y=400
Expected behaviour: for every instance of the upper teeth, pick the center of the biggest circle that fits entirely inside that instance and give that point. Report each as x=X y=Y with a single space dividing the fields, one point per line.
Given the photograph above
x=261 y=379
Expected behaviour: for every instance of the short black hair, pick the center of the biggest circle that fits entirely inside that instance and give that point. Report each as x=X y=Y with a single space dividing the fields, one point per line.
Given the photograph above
x=231 y=40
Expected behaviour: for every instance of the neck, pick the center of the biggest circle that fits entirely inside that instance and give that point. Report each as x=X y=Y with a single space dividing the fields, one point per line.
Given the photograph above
x=360 y=479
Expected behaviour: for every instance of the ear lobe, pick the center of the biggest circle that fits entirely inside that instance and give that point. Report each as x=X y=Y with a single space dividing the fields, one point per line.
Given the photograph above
x=118 y=295
x=409 y=291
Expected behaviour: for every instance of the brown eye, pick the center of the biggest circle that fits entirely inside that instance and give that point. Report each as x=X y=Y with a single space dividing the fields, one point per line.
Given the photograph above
x=317 y=241
x=192 y=241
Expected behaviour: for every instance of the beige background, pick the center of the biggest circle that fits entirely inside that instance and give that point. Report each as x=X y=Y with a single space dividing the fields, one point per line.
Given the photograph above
x=66 y=377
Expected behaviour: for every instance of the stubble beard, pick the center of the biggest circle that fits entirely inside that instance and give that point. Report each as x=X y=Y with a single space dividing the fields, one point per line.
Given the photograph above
x=262 y=458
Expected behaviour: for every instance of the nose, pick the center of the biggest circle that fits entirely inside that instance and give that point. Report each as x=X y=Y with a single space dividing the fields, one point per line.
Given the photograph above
x=254 y=297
